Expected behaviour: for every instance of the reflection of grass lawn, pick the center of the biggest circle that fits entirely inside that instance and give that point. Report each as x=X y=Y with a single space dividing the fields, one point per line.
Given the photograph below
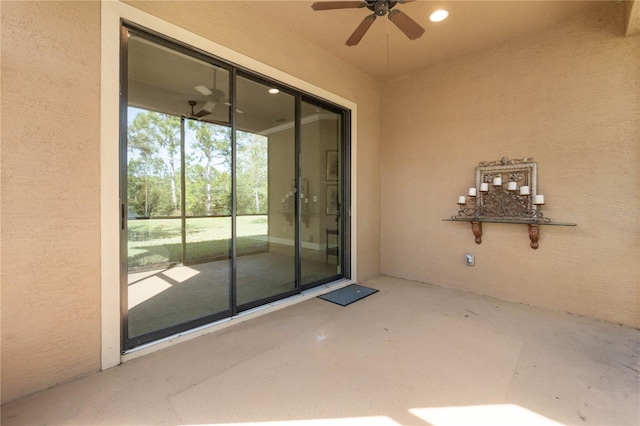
x=157 y=242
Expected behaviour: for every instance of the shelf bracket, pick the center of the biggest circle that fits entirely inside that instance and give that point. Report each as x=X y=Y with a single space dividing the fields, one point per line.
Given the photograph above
x=534 y=235
x=476 y=227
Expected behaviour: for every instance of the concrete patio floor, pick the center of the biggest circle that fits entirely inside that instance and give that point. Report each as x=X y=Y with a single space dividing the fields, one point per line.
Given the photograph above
x=411 y=354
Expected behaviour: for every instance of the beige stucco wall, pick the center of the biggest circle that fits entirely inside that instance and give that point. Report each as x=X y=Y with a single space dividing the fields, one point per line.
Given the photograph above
x=568 y=97
x=50 y=193
x=51 y=329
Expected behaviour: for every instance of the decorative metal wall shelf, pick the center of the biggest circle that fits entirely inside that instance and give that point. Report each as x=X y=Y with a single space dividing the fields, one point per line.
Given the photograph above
x=505 y=192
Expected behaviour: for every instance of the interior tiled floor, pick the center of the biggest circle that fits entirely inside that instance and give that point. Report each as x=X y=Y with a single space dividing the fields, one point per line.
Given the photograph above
x=411 y=354
x=166 y=297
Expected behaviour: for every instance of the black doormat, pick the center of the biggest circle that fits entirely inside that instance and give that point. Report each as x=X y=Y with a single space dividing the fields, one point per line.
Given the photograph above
x=349 y=294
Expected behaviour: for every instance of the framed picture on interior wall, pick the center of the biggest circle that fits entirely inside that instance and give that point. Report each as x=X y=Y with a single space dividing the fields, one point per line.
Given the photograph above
x=332 y=165
x=333 y=205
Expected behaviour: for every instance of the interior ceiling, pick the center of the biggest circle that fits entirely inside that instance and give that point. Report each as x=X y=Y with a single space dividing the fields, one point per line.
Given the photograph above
x=386 y=53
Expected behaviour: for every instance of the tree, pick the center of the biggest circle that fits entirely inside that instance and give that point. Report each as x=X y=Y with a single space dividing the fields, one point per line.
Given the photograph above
x=211 y=148
x=153 y=167
x=151 y=137
x=252 y=172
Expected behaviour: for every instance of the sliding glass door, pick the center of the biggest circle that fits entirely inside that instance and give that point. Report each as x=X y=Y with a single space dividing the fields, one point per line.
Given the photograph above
x=178 y=190
x=233 y=189
x=265 y=163
x=321 y=165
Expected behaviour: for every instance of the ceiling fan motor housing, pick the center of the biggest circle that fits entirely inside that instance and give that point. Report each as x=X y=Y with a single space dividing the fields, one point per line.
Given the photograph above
x=380 y=7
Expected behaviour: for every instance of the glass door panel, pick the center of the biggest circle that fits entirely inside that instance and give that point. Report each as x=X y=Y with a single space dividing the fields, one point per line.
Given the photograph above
x=178 y=186
x=207 y=204
x=154 y=229
x=265 y=194
x=320 y=167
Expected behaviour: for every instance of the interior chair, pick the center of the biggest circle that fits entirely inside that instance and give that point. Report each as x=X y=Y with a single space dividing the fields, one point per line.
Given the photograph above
x=331 y=249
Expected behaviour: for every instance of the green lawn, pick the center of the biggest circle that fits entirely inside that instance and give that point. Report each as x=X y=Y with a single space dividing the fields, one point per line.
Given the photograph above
x=157 y=242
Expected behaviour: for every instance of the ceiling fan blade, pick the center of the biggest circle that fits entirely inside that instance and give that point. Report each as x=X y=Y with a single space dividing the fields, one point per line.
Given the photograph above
x=405 y=1
x=407 y=25
x=330 y=5
x=361 y=30
x=203 y=89
x=237 y=110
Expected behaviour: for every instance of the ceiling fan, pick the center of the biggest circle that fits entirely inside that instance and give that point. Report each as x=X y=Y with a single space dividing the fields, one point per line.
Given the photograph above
x=214 y=95
x=206 y=109
x=380 y=8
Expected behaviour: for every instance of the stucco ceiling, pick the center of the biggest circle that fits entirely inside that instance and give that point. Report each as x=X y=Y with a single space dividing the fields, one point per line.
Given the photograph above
x=386 y=53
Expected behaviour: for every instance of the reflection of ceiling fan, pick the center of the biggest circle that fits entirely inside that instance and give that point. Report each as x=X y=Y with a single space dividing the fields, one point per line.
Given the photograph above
x=214 y=96
x=206 y=109
x=380 y=8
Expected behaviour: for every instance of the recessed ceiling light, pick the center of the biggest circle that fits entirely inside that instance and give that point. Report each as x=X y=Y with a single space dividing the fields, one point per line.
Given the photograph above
x=439 y=15
x=273 y=91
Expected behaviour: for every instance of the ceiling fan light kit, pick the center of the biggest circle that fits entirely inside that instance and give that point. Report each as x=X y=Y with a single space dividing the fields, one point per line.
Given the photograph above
x=379 y=8
x=208 y=107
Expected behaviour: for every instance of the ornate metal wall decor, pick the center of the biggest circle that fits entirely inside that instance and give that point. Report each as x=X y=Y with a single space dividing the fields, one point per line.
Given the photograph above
x=289 y=202
x=505 y=192
x=505 y=189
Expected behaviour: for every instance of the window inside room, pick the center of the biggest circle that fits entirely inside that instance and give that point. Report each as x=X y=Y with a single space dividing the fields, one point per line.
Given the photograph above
x=233 y=189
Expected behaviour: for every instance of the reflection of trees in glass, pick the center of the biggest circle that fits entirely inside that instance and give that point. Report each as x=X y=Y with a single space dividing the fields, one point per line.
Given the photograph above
x=252 y=173
x=154 y=168
x=154 y=164
x=208 y=166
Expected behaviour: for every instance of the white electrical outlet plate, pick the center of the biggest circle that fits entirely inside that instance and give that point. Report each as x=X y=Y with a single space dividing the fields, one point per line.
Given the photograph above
x=469 y=259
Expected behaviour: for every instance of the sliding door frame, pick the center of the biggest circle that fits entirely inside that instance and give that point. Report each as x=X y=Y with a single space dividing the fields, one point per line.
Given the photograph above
x=235 y=72
x=113 y=14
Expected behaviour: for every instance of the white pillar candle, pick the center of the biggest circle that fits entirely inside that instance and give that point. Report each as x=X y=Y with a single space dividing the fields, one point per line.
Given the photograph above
x=472 y=192
x=512 y=186
x=462 y=199
x=497 y=181
x=484 y=187
x=538 y=199
x=306 y=200
x=524 y=190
